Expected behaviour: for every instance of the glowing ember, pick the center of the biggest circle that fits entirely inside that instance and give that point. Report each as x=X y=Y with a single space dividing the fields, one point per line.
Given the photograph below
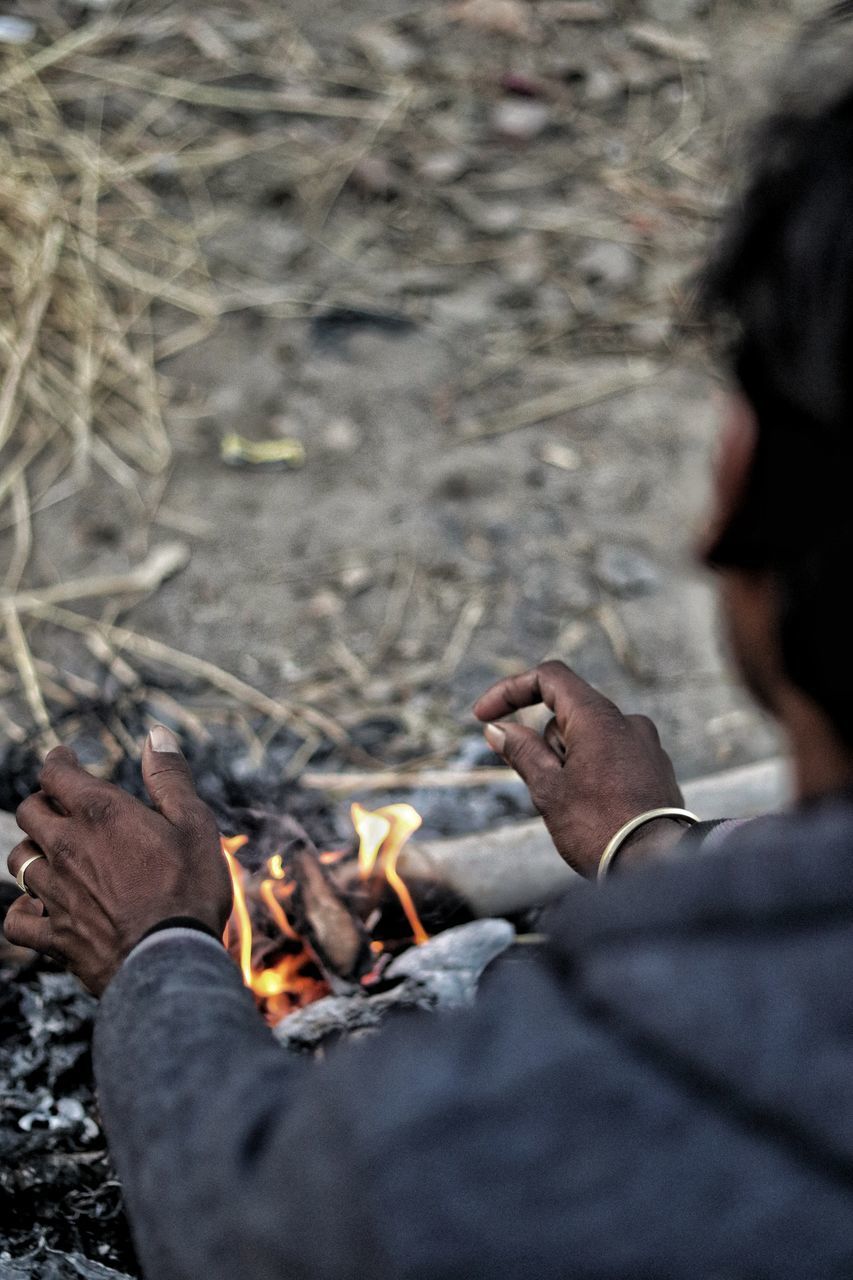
x=293 y=978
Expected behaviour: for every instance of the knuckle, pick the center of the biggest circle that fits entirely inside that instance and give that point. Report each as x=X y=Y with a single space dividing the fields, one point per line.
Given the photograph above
x=554 y=667
x=199 y=822
x=61 y=853
x=602 y=711
x=96 y=807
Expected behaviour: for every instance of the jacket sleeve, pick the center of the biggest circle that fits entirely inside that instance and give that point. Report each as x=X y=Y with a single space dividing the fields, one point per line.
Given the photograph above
x=527 y=1136
x=234 y=1159
x=440 y=1148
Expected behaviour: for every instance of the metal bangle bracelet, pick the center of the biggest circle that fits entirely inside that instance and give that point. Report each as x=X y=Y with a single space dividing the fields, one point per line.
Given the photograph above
x=614 y=845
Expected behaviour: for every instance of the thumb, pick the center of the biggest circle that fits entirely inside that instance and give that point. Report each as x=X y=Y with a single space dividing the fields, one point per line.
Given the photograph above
x=167 y=776
x=524 y=750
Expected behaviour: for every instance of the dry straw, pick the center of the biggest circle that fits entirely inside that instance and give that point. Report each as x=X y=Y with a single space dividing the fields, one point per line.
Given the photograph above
x=99 y=277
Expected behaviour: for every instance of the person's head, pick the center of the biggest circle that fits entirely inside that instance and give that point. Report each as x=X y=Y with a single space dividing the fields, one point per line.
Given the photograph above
x=781 y=287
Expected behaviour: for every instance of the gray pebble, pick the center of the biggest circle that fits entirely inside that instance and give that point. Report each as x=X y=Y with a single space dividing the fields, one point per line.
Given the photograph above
x=608 y=265
x=520 y=119
x=16 y=30
x=625 y=572
x=441 y=974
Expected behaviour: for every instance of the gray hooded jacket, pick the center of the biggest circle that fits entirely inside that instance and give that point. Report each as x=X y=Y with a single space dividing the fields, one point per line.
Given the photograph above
x=666 y=1091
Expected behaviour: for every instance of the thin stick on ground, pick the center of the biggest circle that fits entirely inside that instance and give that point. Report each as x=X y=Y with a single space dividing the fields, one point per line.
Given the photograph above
x=23 y=534
x=150 y=574
x=30 y=327
x=289 y=713
x=541 y=409
x=28 y=674
x=341 y=784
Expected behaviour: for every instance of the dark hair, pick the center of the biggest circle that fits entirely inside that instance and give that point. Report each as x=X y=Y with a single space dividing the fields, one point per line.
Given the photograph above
x=780 y=287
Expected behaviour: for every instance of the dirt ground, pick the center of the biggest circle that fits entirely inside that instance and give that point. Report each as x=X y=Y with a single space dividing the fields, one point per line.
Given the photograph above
x=474 y=321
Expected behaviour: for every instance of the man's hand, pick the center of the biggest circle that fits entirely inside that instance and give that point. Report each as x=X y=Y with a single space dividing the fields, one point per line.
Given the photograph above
x=112 y=868
x=591 y=771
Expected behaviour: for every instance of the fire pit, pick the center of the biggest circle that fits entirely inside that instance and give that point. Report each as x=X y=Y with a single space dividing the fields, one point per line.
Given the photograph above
x=332 y=940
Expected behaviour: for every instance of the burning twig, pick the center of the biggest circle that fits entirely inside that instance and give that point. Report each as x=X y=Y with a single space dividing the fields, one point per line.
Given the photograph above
x=337 y=938
x=316 y=904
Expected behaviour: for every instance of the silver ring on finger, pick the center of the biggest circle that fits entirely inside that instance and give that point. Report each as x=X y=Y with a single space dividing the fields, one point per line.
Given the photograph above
x=19 y=878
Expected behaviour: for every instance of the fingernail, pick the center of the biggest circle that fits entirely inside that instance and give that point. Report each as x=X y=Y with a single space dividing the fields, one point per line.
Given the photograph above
x=495 y=738
x=162 y=739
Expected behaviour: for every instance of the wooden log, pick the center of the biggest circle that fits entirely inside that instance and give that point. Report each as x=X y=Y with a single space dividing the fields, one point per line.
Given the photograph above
x=517 y=867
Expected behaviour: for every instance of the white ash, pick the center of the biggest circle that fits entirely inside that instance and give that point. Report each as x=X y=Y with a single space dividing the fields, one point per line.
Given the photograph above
x=441 y=974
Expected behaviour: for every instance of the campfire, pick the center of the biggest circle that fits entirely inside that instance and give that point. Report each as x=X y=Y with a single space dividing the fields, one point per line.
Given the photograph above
x=334 y=936
x=308 y=923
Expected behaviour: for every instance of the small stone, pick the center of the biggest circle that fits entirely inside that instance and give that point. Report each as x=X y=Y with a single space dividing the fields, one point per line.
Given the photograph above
x=494 y=17
x=341 y=436
x=561 y=456
x=443 y=166
x=625 y=572
x=388 y=50
x=498 y=218
x=71 y=1110
x=373 y=176
x=527 y=266
x=554 y=305
x=325 y=604
x=651 y=332
x=608 y=265
x=356 y=578
x=603 y=85
x=520 y=119
x=16 y=30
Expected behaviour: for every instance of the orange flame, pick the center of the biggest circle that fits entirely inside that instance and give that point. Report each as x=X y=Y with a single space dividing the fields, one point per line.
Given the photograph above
x=382 y=834
x=284 y=985
x=240 y=925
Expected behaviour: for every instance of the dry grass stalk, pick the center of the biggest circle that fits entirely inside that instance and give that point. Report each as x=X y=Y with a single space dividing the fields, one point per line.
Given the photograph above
x=95 y=273
x=555 y=403
x=30 y=682
x=145 y=647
